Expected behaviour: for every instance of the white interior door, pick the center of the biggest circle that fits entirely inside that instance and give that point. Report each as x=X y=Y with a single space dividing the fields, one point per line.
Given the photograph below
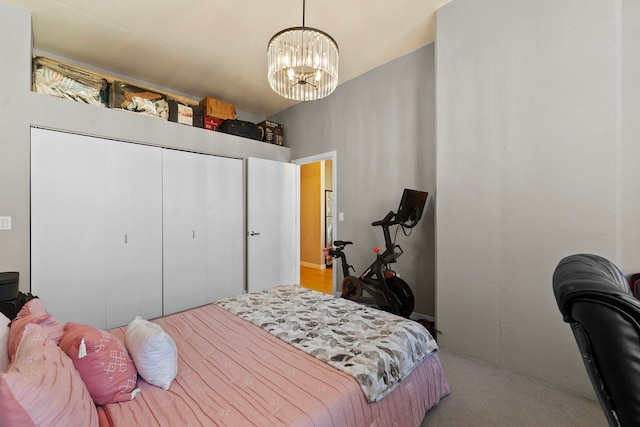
x=68 y=225
x=133 y=232
x=272 y=224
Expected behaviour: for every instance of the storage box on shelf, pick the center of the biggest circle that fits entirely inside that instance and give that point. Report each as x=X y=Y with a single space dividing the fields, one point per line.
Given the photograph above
x=59 y=79
x=187 y=114
x=271 y=132
x=138 y=100
x=215 y=108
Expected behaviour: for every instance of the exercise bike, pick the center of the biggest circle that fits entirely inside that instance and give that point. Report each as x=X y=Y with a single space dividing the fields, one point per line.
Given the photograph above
x=379 y=286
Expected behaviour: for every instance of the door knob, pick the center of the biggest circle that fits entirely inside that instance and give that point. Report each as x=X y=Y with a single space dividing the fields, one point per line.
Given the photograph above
x=253 y=233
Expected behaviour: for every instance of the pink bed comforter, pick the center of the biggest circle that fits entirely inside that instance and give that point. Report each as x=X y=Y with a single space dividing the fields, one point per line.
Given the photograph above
x=233 y=373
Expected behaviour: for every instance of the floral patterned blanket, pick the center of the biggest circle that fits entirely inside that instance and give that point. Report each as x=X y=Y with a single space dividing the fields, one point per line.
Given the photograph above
x=378 y=349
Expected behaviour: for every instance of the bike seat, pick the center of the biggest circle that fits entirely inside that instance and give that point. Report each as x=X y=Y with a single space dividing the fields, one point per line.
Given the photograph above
x=341 y=243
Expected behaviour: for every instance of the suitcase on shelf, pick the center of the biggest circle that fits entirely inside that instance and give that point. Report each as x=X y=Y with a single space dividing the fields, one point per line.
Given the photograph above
x=240 y=128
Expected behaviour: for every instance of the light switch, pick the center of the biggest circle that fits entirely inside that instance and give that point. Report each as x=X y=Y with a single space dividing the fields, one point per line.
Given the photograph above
x=341 y=216
x=5 y=223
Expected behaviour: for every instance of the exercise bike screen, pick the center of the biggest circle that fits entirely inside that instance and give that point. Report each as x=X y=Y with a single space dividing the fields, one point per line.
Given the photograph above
x=411 y=207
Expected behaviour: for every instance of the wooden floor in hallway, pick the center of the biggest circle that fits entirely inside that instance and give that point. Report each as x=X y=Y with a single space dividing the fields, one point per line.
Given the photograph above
x=316 y=279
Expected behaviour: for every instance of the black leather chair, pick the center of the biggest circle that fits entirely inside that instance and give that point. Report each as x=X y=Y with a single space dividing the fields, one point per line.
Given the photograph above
x=595 y=299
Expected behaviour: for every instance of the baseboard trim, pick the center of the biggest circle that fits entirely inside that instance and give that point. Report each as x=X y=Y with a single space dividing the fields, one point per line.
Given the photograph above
x=311 y=265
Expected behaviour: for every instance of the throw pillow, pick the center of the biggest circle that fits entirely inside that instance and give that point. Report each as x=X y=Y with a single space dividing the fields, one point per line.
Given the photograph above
x=103 y=363
x=42 y=387
x=34 y=312
x=4 y=341
x=153 y=351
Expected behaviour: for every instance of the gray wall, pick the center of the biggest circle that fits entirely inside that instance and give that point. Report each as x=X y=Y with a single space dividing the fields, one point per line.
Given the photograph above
x=20 y=109
x=537 y=136
x=381 y=125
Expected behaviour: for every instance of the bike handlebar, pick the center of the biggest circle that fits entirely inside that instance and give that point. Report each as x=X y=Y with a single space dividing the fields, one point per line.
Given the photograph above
x=386 y=220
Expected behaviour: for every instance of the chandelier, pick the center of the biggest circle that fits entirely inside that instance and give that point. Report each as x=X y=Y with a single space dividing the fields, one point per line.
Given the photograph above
x=302 y=63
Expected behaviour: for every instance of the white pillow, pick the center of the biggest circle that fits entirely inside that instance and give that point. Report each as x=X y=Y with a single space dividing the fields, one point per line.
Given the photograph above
x=153 y=351
x=4 y=339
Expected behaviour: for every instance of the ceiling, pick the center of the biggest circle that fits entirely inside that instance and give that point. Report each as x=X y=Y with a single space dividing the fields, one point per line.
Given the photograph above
x=218 y=48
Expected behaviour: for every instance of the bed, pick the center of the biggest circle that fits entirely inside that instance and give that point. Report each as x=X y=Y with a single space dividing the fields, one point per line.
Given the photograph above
x=286 y=356
x=234 y=372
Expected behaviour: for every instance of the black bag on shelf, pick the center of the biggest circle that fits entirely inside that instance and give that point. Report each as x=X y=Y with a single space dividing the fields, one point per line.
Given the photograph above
x=240 y=128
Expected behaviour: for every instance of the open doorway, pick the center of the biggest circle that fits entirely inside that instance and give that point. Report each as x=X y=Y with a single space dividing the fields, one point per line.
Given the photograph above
x=317 y=221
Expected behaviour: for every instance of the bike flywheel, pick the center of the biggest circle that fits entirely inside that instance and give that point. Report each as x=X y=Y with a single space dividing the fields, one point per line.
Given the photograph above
x=351 y=288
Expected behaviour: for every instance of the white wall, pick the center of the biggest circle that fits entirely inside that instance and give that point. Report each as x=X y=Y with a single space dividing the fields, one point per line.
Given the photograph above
x=381 y=125
x=536 y=159
x=20 y=108
x=629 y=136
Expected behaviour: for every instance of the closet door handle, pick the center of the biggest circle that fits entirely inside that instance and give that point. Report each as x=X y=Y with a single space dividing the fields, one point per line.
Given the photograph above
x=126 y=238
x=253 y=233
x=193 y=234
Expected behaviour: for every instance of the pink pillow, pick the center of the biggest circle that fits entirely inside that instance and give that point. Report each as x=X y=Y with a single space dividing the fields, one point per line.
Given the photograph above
x=103 y=362
x=33 y=306
x=33 y=312
x=42 y=387
x=4 y=340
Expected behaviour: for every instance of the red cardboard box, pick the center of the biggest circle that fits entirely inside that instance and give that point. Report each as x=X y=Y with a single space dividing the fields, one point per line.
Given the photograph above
x=212 y=123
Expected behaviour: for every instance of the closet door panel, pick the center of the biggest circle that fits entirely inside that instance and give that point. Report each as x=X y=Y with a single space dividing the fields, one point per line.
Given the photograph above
x=225 y=219
x=184 y=230
x=133 y=232
x=68 y=225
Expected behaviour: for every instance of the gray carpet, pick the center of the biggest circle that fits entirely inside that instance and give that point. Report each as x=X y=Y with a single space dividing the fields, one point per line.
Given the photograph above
x=482 y=395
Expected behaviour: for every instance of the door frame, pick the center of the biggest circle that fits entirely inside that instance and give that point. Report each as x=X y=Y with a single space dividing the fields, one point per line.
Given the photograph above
x=333 y=156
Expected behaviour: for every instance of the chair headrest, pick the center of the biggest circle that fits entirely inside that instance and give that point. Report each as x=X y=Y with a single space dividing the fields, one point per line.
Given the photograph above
x=587 y=274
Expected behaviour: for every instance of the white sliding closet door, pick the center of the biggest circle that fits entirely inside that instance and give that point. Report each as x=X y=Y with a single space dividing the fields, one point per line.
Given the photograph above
x=225 y=226
x=184 y=230
x=96 y=228
x=68 y=225
x=203 y=229
x=133 y=232
x=120 y=230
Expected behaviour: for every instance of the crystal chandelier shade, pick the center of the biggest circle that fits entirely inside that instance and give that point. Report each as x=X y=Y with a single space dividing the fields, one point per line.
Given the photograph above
x=302 y=63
